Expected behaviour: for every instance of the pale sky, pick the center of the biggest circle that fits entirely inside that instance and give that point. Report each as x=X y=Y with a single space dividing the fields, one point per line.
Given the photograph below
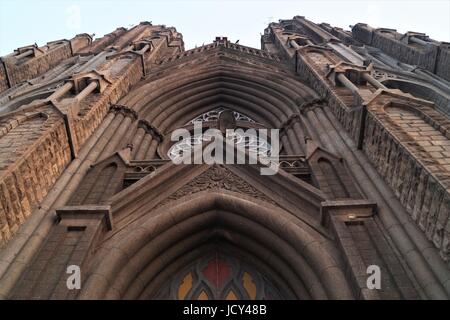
x=24 y=22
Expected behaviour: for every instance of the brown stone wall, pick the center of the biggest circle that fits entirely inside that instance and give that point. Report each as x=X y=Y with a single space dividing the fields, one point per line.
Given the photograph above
x=96 y=106
x=3 y=78
x=32 y=155
x=396 y=144
x=315 y=77
x=433 y=57
x=443 y=62
x=100 y=183
x=35 y=66
x=332 y=177
x=35 y=150
x=364 y=244
x=107 y=40
x=424 y=57
x=413 y=157
x=69 y=243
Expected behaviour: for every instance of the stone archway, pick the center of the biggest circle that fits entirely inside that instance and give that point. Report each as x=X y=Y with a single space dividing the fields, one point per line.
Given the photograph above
x=139 y=259
x=220 y=275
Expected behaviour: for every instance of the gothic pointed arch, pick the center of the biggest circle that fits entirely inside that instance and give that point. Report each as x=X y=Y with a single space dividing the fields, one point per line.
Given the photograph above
x=139 y=253
x=215 y=210
x=223 y=273
x=258 y=93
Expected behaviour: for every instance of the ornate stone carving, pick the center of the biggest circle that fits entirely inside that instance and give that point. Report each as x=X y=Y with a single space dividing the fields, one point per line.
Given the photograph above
x=383 y=75
x=213 y=115
x=250 y=142
x=150 y=129
x=124 y=110
x=215 y=178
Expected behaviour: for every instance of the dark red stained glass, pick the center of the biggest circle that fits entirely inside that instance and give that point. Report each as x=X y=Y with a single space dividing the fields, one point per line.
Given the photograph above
x=217 y=271
x=218 y=275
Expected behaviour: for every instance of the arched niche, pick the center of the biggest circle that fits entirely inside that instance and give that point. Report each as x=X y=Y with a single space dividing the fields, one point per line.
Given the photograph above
x=222 y=273
x=210 y=120
x=421 y=91
x=138 y=260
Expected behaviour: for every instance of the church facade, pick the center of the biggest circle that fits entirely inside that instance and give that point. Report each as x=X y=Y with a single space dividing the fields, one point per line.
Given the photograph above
x=93 y=205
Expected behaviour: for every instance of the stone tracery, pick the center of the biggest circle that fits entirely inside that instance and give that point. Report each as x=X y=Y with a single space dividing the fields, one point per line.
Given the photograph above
x=361 y=181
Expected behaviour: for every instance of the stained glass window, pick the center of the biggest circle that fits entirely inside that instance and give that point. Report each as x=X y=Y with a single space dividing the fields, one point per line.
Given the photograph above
x=219 y=276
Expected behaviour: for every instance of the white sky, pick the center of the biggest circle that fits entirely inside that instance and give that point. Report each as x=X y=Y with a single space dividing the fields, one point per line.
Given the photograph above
x=23 y=22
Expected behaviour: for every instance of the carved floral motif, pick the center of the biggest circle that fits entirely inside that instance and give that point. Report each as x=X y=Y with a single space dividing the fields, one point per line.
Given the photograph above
x=215 y=178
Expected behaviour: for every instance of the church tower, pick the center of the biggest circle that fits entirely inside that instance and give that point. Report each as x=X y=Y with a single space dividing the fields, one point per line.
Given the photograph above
x=91 y=183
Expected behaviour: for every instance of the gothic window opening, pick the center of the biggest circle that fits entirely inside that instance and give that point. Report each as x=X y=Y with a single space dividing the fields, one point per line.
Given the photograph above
x=219 y=276
x=213 y=115
x=246 y=136
x=249 y=141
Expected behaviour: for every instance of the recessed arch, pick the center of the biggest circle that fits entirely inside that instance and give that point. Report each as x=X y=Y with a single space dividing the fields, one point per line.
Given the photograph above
x=270 y=98
x=161 y=235
x=219 y=266
x=422 y=91
x=261 y=89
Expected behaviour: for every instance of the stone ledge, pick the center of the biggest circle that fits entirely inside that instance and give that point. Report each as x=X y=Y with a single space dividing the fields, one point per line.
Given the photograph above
x=86 y=212
x=351 y=208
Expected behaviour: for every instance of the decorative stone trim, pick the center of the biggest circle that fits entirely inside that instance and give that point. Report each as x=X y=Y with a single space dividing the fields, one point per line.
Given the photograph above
x=150 y=129
x=124 y=110
x=352 y=208
x=85 y=213
x=311 y=105
x=82 y=80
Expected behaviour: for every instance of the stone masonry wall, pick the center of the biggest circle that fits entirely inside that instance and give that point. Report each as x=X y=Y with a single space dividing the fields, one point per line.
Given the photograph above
x=392 y=142
x=364 y=244
x=34 y=144
x=315 y=78
x=71 y=242
x=35 y=66
x=3 y=78
x=424 y=57
x=443 y=62
x=433 y=57
x=412 y=153
x=96 y=106
x=32 y=157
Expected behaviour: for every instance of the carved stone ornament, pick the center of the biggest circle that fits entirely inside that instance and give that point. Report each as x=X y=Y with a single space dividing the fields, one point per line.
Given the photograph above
x=215 y=178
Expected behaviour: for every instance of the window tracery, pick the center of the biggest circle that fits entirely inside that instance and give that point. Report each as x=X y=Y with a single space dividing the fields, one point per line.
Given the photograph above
x=251 y=142
x=219 y=276
x=213 y=115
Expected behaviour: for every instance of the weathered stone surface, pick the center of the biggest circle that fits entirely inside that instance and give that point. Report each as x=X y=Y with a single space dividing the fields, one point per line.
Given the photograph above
x=364 y=171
